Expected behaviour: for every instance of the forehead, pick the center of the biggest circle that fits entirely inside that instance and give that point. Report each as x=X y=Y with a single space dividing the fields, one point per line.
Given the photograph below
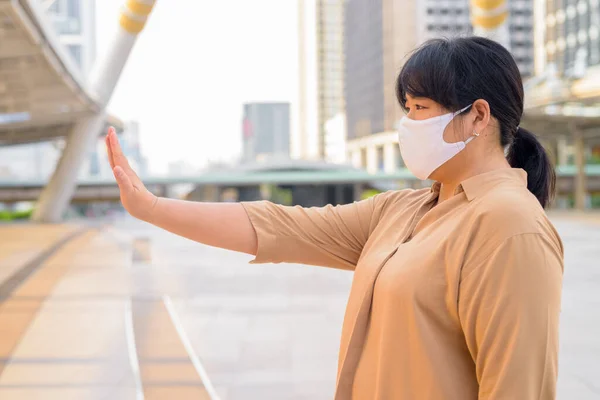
x=416 y=98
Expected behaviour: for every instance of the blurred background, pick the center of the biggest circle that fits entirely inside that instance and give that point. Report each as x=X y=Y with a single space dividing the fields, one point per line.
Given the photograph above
x=287 y=100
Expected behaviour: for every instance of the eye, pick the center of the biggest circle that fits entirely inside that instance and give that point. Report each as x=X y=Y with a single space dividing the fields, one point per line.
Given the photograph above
x=417 y=107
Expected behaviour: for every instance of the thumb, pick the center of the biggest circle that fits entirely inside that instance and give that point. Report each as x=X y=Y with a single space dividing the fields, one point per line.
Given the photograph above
x=123 y=180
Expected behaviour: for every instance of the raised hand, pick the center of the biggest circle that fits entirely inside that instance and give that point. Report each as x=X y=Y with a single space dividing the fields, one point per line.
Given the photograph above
x=136 y=199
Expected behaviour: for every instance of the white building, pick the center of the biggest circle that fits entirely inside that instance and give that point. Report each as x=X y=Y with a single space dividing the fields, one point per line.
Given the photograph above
x=335 y=139
x=75 y=22
x=321 y=75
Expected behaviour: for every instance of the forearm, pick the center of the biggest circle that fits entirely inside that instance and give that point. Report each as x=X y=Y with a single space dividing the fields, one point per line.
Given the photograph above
x=223 y=225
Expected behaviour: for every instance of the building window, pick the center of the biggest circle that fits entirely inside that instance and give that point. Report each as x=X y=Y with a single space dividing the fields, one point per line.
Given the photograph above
x=73 y=9
x=380 y=159
x=75 y=51
x=55 y=7
x=398 y=161
x=363 y=158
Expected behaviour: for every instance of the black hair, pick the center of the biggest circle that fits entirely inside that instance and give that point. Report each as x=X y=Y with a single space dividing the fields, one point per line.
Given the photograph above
x=456 y=72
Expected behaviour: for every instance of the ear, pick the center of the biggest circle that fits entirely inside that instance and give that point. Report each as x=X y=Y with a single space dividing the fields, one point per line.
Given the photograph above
x=481 y=114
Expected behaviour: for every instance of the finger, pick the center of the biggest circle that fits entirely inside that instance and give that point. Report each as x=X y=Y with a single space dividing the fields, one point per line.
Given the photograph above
x=124 y=182
x=117 y=153
x=108 y=148
x=119 y=159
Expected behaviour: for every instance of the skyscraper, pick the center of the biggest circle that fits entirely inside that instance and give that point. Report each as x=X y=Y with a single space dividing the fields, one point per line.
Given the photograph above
x=572 y=35
x=321 y=75
x=453 y=18
x=382 y=34
x=266 y=131
x=75 y=23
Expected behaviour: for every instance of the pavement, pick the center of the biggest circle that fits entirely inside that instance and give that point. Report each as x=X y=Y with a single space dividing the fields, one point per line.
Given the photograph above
x=126 y=311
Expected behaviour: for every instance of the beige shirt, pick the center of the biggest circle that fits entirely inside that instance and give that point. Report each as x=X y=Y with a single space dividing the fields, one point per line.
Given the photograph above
x=458 y=300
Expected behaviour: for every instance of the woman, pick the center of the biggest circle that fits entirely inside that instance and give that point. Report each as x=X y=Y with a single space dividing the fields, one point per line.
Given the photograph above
x=456 y=290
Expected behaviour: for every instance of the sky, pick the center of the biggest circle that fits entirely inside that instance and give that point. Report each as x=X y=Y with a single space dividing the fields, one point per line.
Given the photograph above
x=193 y=67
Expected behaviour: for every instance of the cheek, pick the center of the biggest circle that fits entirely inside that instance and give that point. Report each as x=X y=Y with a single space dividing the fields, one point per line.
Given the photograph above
x=455 y=132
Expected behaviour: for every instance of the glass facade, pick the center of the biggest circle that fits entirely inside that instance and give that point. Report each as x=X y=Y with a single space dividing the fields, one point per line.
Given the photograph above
x=74 y=21
x=266 y=130
x=572 y=34
x=453 y=18
x=330 y=15
x=363 y=75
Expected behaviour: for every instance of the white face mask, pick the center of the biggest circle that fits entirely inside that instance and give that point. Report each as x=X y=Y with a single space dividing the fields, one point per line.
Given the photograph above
x=422 y=143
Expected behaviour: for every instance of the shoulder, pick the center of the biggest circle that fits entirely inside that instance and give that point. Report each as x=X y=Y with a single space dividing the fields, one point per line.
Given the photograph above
x=509 y=212
x=503 y=215
x=404 y=196
x=398 y=201
x=396 y=206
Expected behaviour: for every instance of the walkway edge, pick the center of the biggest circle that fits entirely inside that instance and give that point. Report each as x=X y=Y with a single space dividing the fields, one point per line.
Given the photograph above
x=189 y=349
x=22 y=274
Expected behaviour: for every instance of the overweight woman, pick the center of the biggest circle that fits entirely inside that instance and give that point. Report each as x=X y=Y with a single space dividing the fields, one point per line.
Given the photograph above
x=457 y=288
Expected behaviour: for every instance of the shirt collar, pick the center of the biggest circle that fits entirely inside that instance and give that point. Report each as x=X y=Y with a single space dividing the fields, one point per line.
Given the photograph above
x=478 y=185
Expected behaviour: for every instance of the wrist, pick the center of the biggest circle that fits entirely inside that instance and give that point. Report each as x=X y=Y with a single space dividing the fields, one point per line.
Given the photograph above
x=152 y=210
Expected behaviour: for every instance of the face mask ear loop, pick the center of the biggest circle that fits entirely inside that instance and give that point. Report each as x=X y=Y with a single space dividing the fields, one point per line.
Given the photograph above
x=462 y=111
x=475 y=135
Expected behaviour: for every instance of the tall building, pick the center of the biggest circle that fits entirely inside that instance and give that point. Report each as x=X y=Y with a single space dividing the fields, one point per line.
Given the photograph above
x=321 y=74
x=571 y=35
x=383 y=33
x=266 y=131
x=567 y=35
x=75 y=23
x=335 y=139
x=453 y=18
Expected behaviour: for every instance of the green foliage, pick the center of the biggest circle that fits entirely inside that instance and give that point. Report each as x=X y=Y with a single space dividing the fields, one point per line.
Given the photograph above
x=369 y=193
x=281 y=196
x=15 y=215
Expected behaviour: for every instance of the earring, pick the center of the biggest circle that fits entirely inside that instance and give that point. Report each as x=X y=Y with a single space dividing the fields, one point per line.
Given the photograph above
x=475 y=133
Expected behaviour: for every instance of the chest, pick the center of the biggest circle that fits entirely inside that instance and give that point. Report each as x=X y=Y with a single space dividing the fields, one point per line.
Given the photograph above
x=418 y=266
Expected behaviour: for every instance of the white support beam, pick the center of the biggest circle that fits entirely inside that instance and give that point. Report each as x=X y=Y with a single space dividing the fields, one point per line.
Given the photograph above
x=103 y=79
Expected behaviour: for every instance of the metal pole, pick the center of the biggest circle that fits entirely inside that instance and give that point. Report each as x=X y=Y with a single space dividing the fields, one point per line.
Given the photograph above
x=104 y=77
x=490 y=19
x=580 y=178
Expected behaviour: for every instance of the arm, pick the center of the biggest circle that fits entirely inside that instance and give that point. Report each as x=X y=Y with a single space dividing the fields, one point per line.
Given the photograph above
x=509 y=308
x=328 y=236
x=222 y=225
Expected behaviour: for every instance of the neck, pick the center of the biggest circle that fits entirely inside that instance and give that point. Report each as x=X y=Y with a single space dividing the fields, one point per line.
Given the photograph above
x=449 y=186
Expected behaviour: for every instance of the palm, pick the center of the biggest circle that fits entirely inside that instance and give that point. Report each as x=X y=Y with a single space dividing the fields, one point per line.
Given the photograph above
x=136 y=199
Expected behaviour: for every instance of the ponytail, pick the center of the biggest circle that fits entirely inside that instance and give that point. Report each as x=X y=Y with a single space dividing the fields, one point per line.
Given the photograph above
x=527 y=152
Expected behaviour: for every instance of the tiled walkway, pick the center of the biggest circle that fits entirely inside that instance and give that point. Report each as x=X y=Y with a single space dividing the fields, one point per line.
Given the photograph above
x=131 y=312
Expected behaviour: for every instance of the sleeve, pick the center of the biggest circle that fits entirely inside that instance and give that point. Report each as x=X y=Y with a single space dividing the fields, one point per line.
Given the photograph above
x=509 y=308
x=330 y=236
